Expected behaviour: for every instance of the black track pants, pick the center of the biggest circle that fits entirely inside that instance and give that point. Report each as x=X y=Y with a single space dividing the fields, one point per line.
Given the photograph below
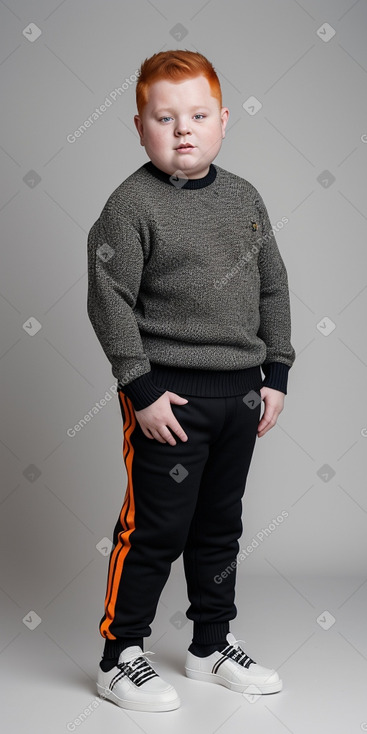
x=181 y=499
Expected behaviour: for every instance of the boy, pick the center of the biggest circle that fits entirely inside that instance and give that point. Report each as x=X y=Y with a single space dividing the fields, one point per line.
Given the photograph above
x=188 y=296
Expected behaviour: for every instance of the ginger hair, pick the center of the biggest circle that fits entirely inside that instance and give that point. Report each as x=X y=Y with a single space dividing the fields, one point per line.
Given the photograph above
x=175 y=66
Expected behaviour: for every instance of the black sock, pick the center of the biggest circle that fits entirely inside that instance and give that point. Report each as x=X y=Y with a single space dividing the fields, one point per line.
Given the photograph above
x=107 y=664
x=109 y=660
x=202 y=651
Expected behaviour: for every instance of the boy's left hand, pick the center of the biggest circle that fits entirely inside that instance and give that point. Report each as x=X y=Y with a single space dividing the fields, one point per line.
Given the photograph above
x=274 y=404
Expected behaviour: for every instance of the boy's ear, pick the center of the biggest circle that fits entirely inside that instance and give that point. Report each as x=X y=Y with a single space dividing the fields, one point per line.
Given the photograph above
x=139 y=127
x=224 y=114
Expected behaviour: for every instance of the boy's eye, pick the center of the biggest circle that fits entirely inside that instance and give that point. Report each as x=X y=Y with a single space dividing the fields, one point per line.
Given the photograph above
x=162 y=119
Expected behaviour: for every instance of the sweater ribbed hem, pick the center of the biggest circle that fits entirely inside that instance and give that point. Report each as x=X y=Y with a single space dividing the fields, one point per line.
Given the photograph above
x=210 y=632
x=147 y=388
x=206 y=383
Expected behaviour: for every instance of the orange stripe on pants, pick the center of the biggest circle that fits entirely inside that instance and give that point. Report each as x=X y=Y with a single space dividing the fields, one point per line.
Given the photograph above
x=123 y=545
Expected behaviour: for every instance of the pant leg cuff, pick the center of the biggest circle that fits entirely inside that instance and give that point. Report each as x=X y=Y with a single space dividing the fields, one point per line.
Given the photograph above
x=210 y=633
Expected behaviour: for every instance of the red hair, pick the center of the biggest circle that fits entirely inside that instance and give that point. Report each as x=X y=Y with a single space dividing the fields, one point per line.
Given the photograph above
x=175 y=66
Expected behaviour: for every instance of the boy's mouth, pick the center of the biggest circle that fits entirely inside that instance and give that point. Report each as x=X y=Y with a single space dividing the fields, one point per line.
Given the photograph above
x=184 y=145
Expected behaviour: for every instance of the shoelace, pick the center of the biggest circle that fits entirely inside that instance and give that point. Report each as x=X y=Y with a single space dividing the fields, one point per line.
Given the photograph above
x=236 y=652
x=140 y=655
x=137 y=668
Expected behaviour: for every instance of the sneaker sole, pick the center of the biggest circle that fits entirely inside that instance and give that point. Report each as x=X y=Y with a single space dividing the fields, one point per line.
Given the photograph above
x=152 y=706
x=238 y=687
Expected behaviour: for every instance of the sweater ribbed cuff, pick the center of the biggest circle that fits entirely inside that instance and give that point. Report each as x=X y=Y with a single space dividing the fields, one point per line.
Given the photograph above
x=276 y=375
x=142 y=391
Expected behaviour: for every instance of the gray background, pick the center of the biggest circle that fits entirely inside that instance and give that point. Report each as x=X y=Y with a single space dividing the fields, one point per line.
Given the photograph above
x=305 y=150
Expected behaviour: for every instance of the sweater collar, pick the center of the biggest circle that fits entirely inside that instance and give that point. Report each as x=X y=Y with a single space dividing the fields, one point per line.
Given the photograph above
x=191 y=183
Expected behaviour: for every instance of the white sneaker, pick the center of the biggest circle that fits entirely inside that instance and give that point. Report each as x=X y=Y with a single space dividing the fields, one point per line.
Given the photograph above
x=134 y=684
x=234 y=669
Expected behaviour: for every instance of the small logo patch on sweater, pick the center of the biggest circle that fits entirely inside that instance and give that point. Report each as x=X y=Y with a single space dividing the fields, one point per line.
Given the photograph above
x=254 y=226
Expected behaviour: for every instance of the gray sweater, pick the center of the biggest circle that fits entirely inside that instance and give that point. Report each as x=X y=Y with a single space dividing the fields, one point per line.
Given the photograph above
x=187 y=289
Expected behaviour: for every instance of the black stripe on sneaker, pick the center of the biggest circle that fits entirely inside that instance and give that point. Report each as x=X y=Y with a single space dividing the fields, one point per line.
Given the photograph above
x=115 y=680
x=233 y=653
x=218 y=664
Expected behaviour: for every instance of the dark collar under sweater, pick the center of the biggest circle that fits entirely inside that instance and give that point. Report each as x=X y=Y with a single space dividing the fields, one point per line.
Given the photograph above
x=191 y=183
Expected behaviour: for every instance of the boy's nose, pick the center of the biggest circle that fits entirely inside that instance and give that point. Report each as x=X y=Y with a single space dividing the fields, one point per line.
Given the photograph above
x=183 y=130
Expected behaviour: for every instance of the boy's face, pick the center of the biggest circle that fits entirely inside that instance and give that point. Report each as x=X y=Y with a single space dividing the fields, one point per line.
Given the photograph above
x=177 y=113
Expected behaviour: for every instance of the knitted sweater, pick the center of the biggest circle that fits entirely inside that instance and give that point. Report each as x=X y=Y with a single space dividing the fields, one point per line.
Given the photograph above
x=187 y=290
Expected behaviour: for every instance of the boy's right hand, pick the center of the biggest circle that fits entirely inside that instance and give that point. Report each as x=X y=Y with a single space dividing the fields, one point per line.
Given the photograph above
x=157 y=418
